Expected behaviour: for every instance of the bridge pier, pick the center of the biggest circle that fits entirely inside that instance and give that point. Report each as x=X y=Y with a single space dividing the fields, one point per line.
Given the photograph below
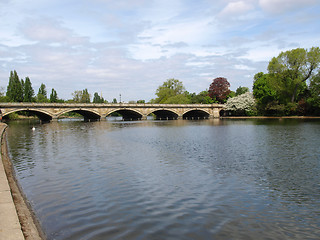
x=216 y=113
x=144 y=117
x=54 y=119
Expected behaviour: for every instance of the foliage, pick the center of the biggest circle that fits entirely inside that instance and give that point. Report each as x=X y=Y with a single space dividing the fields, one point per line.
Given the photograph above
x=77 y=95
x=290 y=71
x=114 y=100
x=97 y=98
x=178 y=99
x=14 y=88
x=241 y=90
x=28 y=92
x=3 y=98
x=53 y=96
x=202 y=97
x=243 y=104
x=170 y=88
x=141 y=101
x=81 y=96
x=263 y=92
x=313 y=102
x=219 y=89
x=42 y=93
x=85 y=96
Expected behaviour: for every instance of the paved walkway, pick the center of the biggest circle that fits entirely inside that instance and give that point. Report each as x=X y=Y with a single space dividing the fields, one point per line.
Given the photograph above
x=10 y=228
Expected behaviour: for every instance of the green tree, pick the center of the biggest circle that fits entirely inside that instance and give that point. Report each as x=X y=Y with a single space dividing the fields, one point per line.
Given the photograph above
x=114 y=100
x=3 y=97
x=178 y=99
x=53 y=96
x=241 y=90
x=81 y=96
x=290 y=71
x=314 y=98
x=77 y=96
x=14 y=88
x=97 y=98
x=202 y=97
x=42 y=93
x=170 y=88
x=28 y=92
x=263 y=91
x=85 y=96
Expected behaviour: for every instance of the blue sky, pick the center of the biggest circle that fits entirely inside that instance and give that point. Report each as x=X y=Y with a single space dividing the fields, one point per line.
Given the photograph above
x=130 y=47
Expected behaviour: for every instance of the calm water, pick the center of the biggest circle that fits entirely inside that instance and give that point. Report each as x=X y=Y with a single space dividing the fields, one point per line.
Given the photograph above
x=212 y=179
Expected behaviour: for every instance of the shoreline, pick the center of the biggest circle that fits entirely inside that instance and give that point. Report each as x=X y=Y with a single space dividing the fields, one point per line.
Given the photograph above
x=30 y=226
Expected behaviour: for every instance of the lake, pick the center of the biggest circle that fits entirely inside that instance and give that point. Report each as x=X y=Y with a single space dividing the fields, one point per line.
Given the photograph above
x=210 y=179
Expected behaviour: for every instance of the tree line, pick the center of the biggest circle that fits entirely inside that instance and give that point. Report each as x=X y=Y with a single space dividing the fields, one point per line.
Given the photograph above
x=290 y=87
x=19 y=90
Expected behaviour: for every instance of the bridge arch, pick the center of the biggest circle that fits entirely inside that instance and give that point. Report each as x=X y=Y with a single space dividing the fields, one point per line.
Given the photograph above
x=88 y=114
x=196 y=114
x=127 y=113
x=162 y=114
x=40 y=113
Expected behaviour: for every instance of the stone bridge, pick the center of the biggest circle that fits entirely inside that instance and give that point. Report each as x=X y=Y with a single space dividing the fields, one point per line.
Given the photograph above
x=99 y=111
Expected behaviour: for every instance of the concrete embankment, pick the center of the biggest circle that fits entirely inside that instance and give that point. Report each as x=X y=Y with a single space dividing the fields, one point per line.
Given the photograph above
x=17 y=221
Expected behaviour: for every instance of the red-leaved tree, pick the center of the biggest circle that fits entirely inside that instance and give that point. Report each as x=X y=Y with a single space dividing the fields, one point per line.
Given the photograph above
x=219 y=89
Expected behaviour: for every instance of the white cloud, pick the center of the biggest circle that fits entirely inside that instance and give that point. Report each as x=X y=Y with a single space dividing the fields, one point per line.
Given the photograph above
x=48 y=31
x=281 y=6
x=243 y=67
x=131 y=47
x=235 y=9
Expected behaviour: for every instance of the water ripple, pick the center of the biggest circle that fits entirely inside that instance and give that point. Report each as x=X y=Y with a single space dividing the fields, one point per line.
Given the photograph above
x=161 y=180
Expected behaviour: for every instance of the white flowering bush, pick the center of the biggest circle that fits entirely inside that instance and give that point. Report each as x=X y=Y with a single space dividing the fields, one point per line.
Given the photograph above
x=242 y=104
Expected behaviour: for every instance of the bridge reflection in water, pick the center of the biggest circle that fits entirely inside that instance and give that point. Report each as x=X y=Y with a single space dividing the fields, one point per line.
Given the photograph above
x=98 y=112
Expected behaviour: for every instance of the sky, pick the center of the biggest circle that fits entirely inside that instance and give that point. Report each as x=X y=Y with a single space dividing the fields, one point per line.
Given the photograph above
x=130 y=47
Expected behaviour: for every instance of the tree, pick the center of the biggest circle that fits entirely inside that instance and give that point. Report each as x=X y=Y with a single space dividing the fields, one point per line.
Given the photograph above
x=14 y=88
x=28 y=92
x=241 y=90
x=314 y=98
x=42 y=93
x=3 y=98
x=291 y=69
x=243 y=104
x=77 y=95
x=97 y=98
x=263 y=91
x=81 y=96
x=114 y=100
x=85 y=96
x=219 y=89
x=53 y=96
x=202 y=97
x=178 y=99
x=170 y=88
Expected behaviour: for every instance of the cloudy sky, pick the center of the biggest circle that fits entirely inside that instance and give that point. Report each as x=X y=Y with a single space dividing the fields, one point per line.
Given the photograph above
x=130 y=47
